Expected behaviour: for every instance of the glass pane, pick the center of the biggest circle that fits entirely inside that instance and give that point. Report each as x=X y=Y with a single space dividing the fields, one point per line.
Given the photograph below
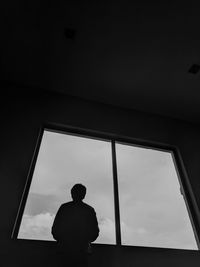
x=152 y=209
x=64 y=160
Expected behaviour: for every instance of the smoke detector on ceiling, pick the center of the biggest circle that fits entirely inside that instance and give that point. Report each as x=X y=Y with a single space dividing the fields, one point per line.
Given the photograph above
x=70 y=33
x=194 y=69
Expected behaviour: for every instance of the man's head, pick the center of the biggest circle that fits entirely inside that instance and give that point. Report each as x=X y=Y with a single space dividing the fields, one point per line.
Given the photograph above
x=78 y=192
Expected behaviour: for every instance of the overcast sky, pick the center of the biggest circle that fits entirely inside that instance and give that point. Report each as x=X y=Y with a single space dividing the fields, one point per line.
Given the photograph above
x=152 y=210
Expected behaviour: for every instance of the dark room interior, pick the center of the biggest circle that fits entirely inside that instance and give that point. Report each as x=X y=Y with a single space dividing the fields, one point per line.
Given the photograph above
x=123 y=69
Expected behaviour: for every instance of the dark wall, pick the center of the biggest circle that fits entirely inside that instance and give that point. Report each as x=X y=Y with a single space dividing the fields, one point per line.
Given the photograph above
x=22 y=115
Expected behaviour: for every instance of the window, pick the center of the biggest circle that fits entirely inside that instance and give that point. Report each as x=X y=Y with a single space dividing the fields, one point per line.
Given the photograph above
x=152 y=208
x=134 y=190
x=64 y=160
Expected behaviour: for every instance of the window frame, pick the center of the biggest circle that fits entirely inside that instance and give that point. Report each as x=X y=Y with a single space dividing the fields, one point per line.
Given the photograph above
x=186 y=188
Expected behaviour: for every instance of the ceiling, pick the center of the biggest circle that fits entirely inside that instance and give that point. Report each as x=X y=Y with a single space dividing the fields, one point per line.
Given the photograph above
x=133 y=54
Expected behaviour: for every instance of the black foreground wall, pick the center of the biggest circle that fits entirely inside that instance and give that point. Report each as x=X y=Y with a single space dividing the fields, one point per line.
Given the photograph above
x=22 y=115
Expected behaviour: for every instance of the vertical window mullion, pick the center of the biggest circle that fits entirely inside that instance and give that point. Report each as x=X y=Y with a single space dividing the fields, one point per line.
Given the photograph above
x=116 y=194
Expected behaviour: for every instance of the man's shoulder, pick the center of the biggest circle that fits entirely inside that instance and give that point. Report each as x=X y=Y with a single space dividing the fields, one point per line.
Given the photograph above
x=82 y=205
x=88 y=207
x=66 y=205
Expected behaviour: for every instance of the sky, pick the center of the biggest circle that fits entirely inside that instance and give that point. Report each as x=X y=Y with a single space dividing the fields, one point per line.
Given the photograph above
x=152 y=210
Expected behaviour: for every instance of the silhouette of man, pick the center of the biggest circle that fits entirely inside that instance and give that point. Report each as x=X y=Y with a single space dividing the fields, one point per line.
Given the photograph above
x=75 y=226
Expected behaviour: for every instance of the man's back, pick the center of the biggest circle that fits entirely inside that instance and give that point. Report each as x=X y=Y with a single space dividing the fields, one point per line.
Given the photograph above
x=75 y=225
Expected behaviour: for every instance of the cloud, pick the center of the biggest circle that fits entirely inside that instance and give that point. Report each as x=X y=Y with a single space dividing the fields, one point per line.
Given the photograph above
x=145 y=236
x=68 y=159
x=39 y=227
x=107 y=231
x=36 y=227
x=40 y=204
